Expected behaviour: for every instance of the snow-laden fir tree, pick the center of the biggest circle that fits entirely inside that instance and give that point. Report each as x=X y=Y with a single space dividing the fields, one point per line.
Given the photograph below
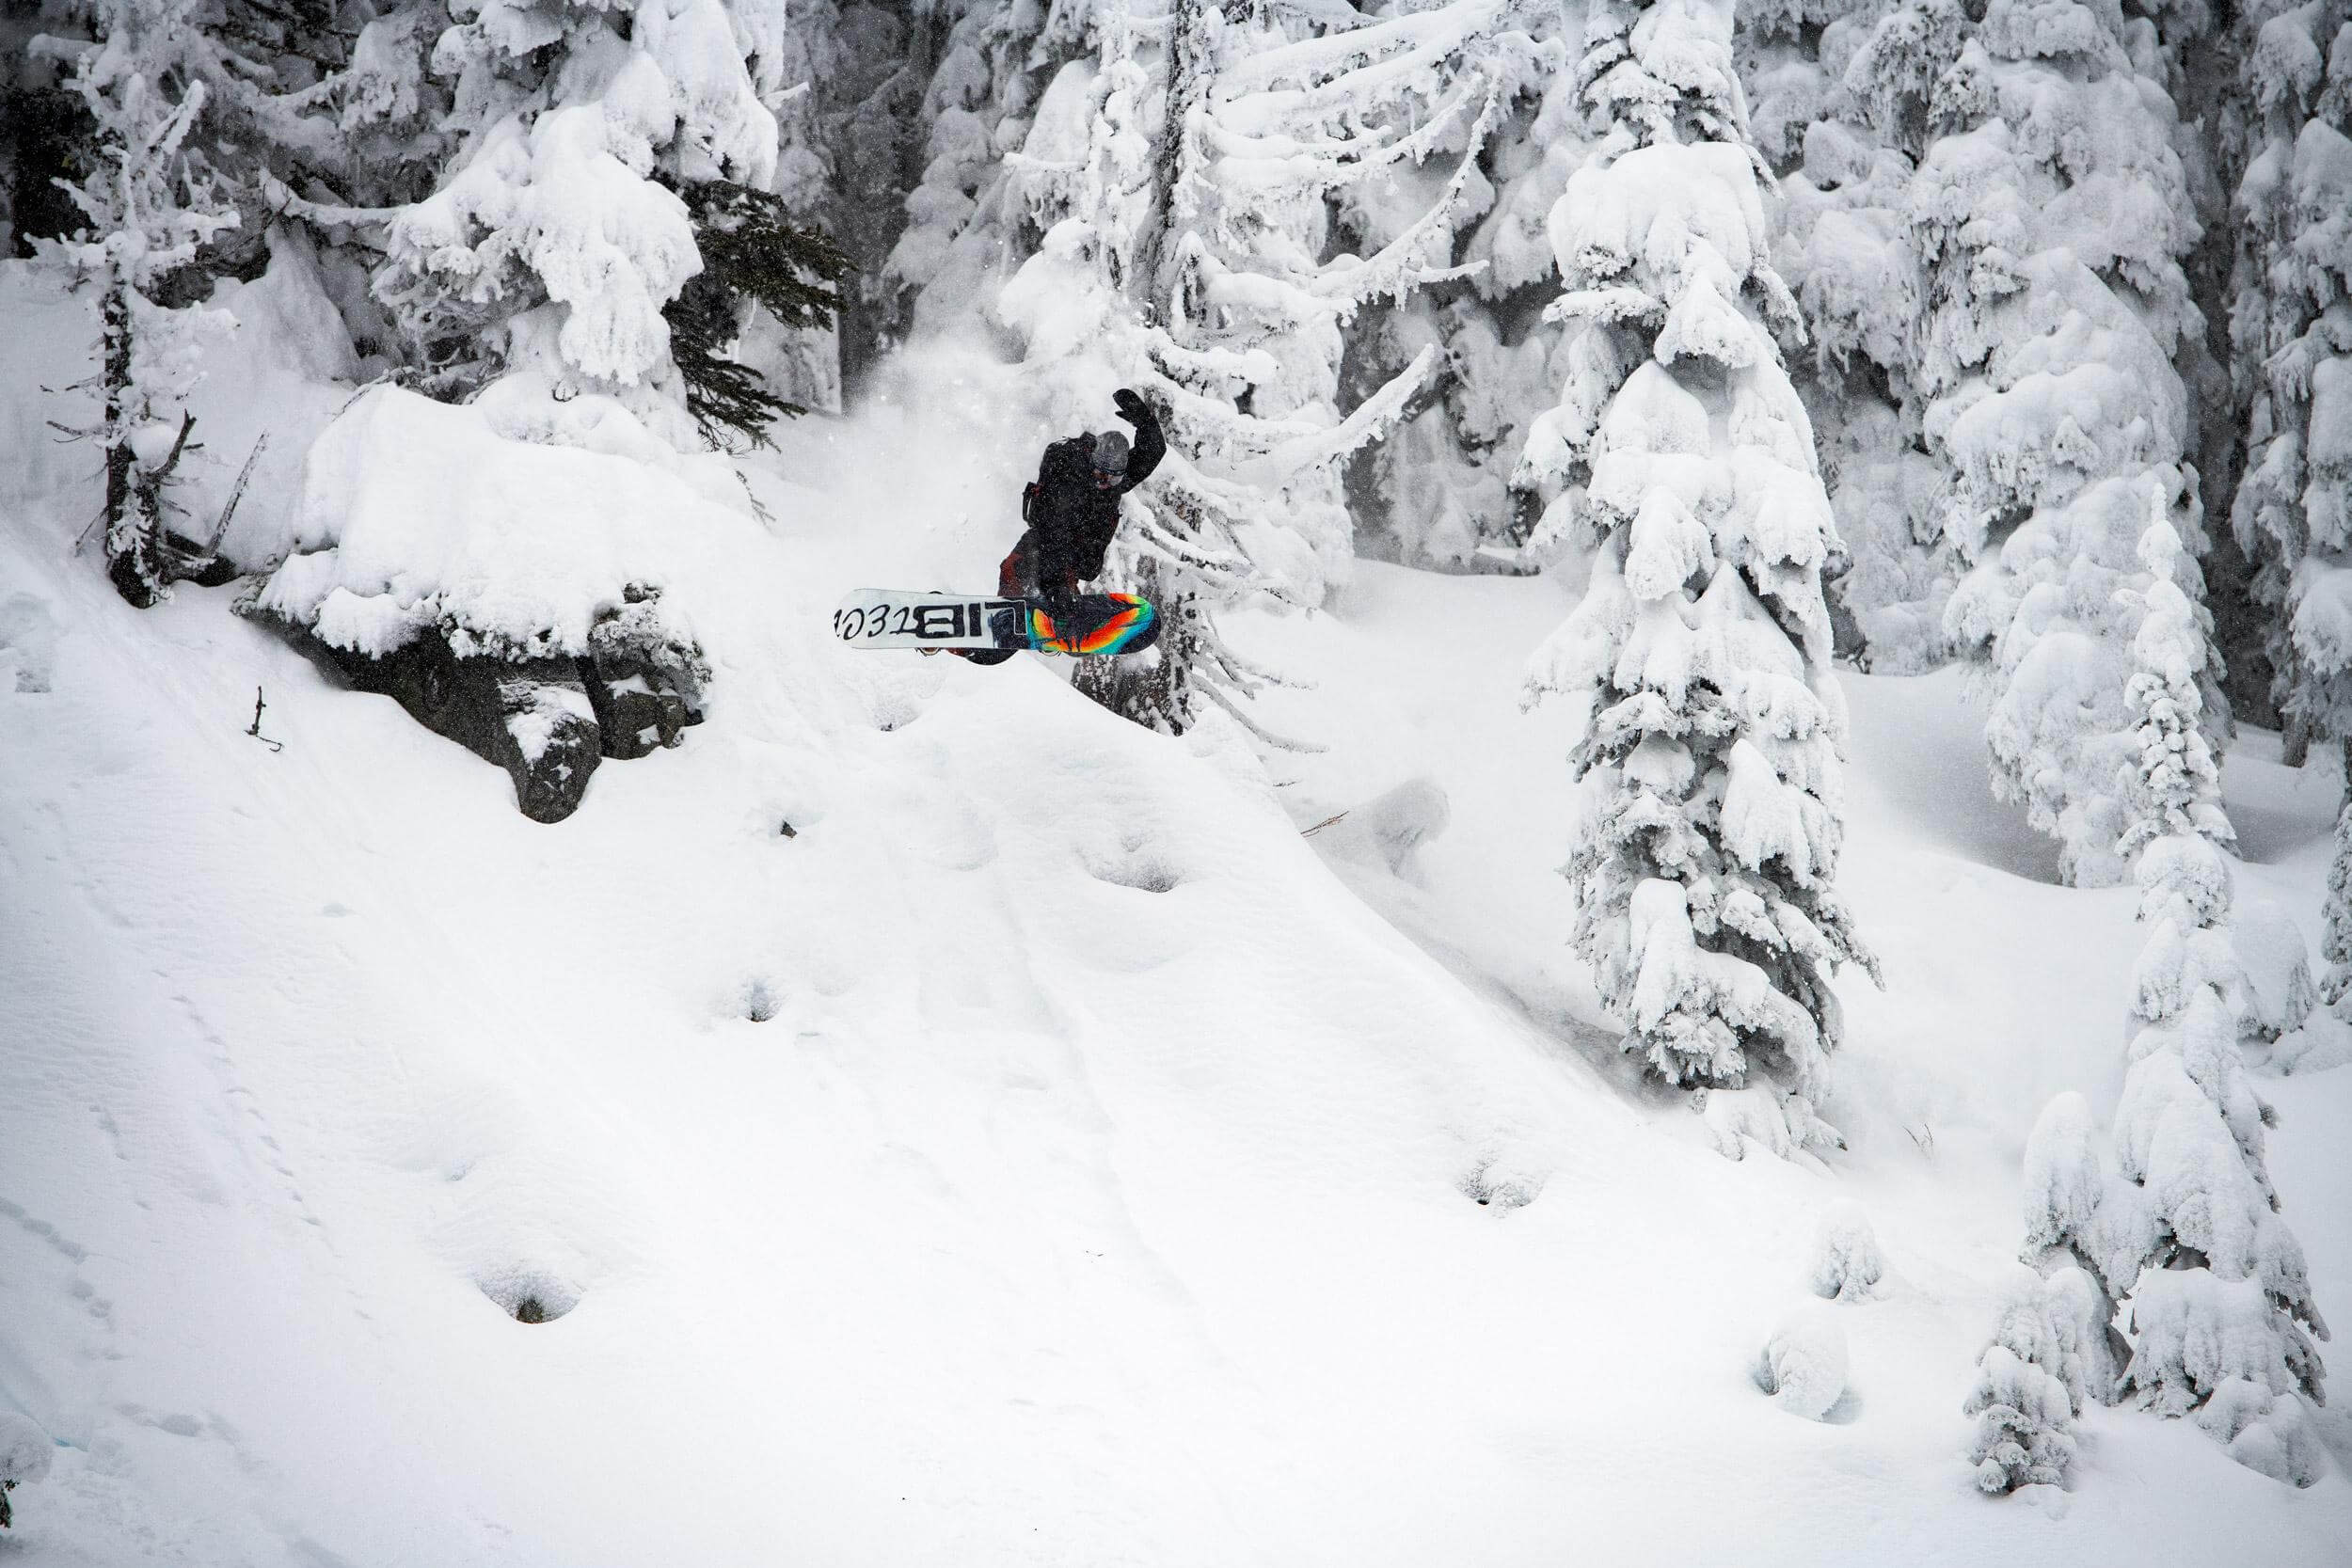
x=1706 y=859
x=2051 y=213
x=2171 y=783
x=149 y=208
x=846 y=81
x=1089 y=169
x=1281 y=119
x=966 y=221
x=2031 y=1382
x=1838 y=106
x=1443 y=489
x=1184 y=180
x=554 y=242
x=2220 y=1316
x=2292 y=333
x=2186 y=1236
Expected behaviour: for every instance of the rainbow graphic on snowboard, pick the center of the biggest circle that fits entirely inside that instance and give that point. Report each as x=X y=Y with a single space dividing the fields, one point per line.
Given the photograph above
x=1097 y=624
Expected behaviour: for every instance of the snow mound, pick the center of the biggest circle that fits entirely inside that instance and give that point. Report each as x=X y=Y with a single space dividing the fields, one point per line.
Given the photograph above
x=1803 y=1366
x=29 y=643
x=1389 y=829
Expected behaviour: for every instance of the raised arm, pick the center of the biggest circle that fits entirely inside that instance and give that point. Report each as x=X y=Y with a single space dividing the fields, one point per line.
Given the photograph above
x=1149 y=445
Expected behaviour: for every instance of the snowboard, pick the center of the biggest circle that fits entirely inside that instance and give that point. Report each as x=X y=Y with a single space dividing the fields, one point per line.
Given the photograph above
x=1090 y=624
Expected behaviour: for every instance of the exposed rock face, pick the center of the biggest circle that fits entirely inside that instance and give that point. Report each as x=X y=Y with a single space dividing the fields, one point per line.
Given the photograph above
x=531 y=718
x=633 y=712
x=549 y=722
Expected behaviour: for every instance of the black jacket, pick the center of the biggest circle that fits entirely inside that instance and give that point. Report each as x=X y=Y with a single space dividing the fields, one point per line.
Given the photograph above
x=1071 y=520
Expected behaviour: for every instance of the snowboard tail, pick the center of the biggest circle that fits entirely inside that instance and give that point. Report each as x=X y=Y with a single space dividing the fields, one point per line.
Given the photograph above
x=1090 y=625
x=1098 y=623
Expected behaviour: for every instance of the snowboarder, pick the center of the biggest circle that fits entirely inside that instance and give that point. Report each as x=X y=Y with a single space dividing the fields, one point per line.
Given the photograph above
x=1073 y=510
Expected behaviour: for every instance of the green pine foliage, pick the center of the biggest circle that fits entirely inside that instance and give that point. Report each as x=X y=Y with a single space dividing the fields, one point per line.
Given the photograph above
x=753 y=254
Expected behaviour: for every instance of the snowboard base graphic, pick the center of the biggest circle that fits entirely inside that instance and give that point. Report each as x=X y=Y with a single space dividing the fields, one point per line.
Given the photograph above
x=1090 y=624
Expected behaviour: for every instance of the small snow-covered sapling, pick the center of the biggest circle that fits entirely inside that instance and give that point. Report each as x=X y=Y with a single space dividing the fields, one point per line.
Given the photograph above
x=25 y=1454
x=1804 y=1365
x=1847 y=1262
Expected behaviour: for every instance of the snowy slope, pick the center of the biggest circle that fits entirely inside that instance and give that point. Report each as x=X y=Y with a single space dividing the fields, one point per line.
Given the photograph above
x=1042 y=1155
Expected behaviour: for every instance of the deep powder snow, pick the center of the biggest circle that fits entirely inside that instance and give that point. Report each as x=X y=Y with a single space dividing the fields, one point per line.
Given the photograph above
x=1044 y=1153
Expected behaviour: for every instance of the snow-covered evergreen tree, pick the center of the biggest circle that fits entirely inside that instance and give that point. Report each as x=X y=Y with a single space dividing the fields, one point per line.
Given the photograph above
x=151 y=204
x=1283 y=122
x=1837 y=101
x=847 y=83
x=1183 y=180
x=2173 y=783
x=1700 y=654
x=2051 y=214
x=1444 y=488
x=967 y=220
x=2185 y=1233
x=2335 y=942
x=2221 y=1313
x=2031 y=1382
x=2292 y=331
x=555 y=241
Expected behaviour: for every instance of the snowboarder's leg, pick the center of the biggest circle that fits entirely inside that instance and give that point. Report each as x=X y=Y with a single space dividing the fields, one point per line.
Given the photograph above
x=1012 y=582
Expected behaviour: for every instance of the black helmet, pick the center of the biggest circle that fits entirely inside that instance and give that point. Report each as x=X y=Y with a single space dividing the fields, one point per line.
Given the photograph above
x=1110 y=456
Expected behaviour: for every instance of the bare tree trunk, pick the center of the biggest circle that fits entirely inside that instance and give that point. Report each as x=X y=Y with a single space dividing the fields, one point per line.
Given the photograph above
x=134 y=560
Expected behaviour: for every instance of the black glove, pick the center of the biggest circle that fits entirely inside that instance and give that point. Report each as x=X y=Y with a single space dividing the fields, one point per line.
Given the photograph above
x=1131 y=406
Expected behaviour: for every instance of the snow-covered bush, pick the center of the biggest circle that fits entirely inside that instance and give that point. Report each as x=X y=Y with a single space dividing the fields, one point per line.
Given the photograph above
x=1804 y=1365
x=1388 y=830
x=2276 y=966
x=2211 y=1346
x=1699 y=656
x=25 y=1452
x=2064 y=1183
x=2031 y=1382
x=1847 y=1262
